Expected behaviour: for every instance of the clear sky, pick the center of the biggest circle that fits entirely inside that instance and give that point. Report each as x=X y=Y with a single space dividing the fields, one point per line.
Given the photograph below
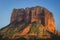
x=6 y=7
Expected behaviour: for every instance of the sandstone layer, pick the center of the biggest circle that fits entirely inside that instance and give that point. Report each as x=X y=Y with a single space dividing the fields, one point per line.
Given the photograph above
x=37 y=13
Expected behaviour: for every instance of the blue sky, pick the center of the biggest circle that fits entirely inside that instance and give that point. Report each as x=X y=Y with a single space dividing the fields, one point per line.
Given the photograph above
x=6 y=7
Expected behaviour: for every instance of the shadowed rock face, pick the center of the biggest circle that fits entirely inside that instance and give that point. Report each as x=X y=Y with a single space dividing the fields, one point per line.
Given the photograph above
x=32 y=14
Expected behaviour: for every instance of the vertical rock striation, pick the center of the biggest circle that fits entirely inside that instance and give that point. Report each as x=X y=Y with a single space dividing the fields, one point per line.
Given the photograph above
x=37 y=13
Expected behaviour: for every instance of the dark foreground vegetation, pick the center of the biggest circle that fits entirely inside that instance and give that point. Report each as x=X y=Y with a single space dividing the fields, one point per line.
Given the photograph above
x=32 y=38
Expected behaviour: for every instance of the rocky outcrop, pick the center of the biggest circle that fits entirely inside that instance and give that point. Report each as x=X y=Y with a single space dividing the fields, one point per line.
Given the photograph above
x=37 y=13
x=30 y=22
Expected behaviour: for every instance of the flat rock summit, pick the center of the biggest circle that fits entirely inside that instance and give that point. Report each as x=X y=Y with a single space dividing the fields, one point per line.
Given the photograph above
x=30 y=23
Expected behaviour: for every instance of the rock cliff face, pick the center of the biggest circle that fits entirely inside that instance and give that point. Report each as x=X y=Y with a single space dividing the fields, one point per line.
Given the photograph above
x=37 y=13
x=30 y=22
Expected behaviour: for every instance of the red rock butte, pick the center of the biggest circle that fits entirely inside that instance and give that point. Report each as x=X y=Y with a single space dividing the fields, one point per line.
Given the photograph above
x=39 y=14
